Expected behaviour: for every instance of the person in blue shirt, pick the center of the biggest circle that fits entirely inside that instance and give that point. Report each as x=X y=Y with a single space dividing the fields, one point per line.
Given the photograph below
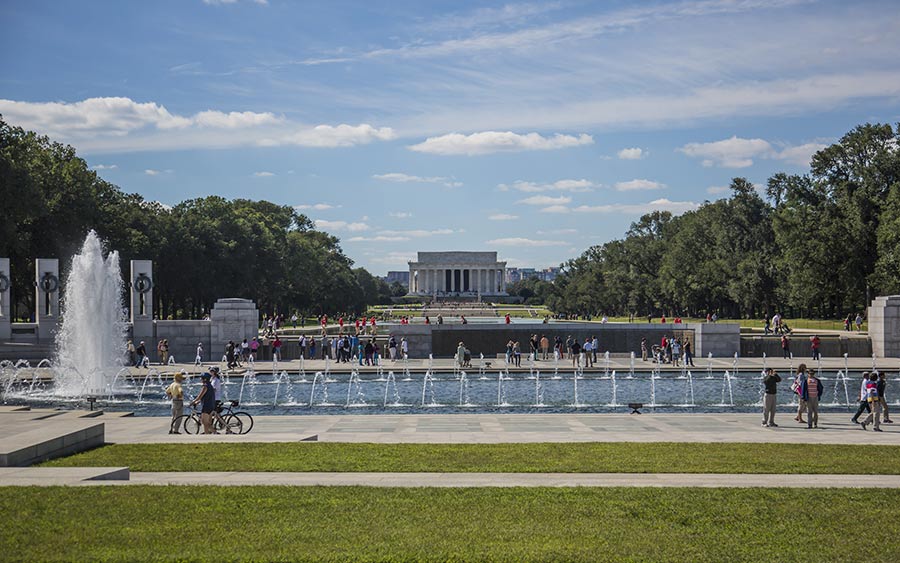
x=207 y=401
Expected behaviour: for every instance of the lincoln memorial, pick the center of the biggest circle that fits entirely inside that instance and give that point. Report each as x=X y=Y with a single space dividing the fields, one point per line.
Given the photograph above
x=457 y=273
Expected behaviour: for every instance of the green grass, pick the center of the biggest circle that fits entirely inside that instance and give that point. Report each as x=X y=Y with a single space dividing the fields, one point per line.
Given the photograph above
x=596 y=457
x=147 y=523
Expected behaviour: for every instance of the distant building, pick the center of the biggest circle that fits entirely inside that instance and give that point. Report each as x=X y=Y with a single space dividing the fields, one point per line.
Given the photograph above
x=514 y=275
x=398 y=277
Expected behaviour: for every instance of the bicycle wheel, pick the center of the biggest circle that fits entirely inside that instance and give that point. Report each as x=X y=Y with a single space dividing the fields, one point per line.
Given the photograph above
x=246 y=421
x=232 y=425
x=192 y=425
x=178 y=424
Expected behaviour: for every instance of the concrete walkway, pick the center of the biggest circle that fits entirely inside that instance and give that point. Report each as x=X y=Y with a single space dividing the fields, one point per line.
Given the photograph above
x=84 y=476
x=834 y=428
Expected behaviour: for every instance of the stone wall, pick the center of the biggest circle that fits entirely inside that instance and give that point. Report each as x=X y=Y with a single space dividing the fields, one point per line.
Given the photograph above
x=884 y=326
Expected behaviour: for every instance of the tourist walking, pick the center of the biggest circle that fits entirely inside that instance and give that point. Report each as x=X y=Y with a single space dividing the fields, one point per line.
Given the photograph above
x=859 y=320
x=595 y=347
x=863 y=399
x=460 y=355
x=276 y=348
x=141 y=353
x=676 y=352
x=254 y=347
x=785 y=347
x=176 y=392
x=770 y=382
x=545 y=347
x=404 y=348
x=874 y=403
x=814 y=343
x=588 y=349
x=812 y=390
x=688 y=353
x=509 y=351
x=575 y=350
x=797 y=387
x=199 y=358
x=132 y=353
x=207 y=401
x=644 y=349
x=392 y=348
x=882 y=384
x=517 y=354
x=216 y=382
x=165 y=351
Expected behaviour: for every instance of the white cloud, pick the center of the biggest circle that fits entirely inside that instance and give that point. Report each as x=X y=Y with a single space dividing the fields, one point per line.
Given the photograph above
x=341 y=226
x=316 y=207
x=631 y=154
x=559 y=185
x=264 y=174
x=502 y=217
x=123 y=125
x=663 y=204
x=105 y=166
x=379 y=238
x=728 y=153
x=151 y=172
x=393 y=258
x=517 y=241
x=555 y=209
x=488 y=142
x=546 y=200
x=402 y=178
x=715 y=190
x=801 y=155
x=638 y=184
x=558 y=232
x=400 y=214
x=418 y=233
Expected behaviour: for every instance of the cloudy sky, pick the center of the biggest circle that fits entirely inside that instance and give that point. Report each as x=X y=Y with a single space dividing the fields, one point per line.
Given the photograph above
x=535 y=129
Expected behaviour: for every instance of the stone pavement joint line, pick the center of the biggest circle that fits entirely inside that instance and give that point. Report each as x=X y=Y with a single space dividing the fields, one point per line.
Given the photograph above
x=106 y=476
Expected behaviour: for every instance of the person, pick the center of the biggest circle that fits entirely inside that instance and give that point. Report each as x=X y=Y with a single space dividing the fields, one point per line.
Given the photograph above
x=663 y=319
x=882 y=384
x=509 y=351
x=507 y=319
x=575 y=350
x=294 y=320
x=276 y=348
x=533 y=344
x=644 y=349
x=165 y=351
x=797 y=387
x=595 y=347
x=785 y=346
x=176 y=392
x=159 y=352
x=676 y=352
x=517 y=354
x=312 y=348
x=141 y=353
x=811 y=390
x=216 y=382
x=545 y=347
x=874 y=403
x=776 y=322
x=688 y=353
x=847 y=322
x=132 y=353
x=859 y=320
x=770 y=381
x=207 y=401
x=814 y=344
x=863 y=399
x=768 y=327
x=588 y=349
x=199 y=358
x=463 y=318
x=440 y=319
x=427 y=320
x=245 y=350
x=404 y=348
x=392 y=348
x=254 y=347
x=460 y=354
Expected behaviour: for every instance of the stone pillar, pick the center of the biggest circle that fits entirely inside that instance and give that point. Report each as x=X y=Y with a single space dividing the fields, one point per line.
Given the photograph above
x=232 y=319
x=46 y=303
x=141 y=290
x=503 y=281
x=5 y=300
x=884 y=326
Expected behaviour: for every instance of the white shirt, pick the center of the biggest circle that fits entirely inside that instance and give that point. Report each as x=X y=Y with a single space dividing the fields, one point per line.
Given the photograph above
x=217 y=387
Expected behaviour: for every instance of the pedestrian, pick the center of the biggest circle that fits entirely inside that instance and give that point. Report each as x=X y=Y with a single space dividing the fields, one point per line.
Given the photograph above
x=874 y=403
x=509 y=352
x=207 y=401
x=575 y=350
x=165 y=351
x=392 y=348
x=859 y=320
x=811 y=391
x=588 y=349
x=141 y=353
x=254 y=348
x=882 y=384
x=545 y=347
x=785 y=346
x=770 y=381
x=814 y=343
x=595 y=347
x=688 y=353
x=847 y=322
x=676 y=352
x=644 y=349
x=176 y=392
x=294 y=320
x=768 y=327
x=863 y=399
x=199 y=358
x=276 y=348
x=216 y=382
x=460 y=354
x=132 y=353
x=517 y=354
x=797 y=387
x=404 y=348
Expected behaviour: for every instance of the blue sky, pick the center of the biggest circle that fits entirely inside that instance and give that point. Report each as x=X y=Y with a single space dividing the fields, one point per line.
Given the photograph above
x=536 y=129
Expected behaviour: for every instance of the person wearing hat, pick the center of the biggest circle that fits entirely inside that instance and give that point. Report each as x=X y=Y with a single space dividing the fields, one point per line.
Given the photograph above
x=175 y=392
x=207 y=401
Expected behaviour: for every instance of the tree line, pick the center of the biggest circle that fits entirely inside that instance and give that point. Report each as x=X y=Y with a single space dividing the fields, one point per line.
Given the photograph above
x=821 y=244
x=202 y=249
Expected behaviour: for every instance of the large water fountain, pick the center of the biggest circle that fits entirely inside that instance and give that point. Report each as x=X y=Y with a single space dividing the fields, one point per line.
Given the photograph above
x=91 y=341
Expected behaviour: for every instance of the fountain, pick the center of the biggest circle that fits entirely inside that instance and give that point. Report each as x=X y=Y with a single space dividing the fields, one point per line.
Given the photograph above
x=391 y=384
x=463 y=389
x=91 y=341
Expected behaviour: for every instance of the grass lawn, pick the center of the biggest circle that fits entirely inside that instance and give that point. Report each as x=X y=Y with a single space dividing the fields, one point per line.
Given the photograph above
x=147 y=523
x=596 y=457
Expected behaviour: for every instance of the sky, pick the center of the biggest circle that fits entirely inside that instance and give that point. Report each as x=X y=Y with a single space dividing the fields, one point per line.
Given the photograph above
x=536 y=129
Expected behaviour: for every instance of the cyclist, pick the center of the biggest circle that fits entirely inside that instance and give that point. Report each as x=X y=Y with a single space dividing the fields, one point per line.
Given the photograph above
x=207 y=398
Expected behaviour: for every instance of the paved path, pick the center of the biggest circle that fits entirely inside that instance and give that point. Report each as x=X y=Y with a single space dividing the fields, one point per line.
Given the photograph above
x=115 y=476
x=834 y=428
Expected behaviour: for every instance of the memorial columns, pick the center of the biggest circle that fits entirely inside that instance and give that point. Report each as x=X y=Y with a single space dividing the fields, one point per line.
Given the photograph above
x=5 y=301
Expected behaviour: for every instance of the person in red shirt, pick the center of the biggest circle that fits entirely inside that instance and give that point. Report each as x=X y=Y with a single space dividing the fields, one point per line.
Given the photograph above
x=507 y=318
x=341 y=322
x=324 y=320
x=814 y=343
x=372 y=320
x=663 y=319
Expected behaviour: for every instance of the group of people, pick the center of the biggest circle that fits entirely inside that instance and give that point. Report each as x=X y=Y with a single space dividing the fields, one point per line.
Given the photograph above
x=345 y=348
x=671 y=350
x=209 y=398
x=808 y=387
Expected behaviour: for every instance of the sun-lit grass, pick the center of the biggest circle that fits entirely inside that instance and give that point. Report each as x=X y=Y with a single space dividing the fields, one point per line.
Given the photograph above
x=596 y=457
x=204 y=523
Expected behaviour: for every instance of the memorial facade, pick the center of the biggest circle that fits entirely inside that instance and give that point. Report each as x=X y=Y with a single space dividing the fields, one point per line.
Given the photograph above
x=457 y=273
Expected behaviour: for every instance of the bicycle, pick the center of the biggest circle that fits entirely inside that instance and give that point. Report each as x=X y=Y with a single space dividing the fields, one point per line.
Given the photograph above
x=192 y=423
x=228 y=412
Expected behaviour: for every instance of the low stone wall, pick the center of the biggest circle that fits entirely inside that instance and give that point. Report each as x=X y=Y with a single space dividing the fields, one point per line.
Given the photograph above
x=884 y=326
x=183 y=337
x=830 y=346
